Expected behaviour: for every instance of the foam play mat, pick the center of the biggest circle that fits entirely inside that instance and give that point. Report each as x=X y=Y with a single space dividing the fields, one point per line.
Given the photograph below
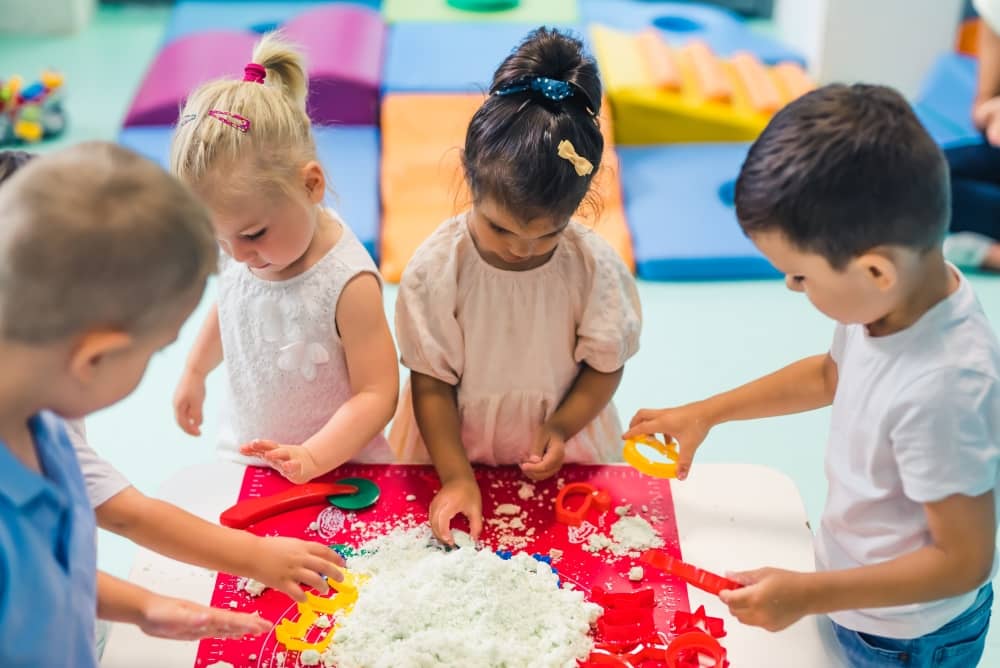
x=678 y=199
x=393 y=84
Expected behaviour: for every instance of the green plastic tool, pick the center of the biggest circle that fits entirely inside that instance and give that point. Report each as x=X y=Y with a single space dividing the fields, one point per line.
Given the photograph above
x=366 y=496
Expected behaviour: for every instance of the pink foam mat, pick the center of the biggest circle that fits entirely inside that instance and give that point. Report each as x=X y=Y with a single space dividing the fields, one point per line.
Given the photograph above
x=343 y=43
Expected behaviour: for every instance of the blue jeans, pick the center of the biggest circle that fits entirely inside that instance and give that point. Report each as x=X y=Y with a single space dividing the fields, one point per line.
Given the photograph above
x=975 y=189
x=957 y=644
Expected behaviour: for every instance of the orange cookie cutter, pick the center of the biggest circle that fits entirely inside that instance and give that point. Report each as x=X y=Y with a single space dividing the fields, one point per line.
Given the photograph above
x=593 y=497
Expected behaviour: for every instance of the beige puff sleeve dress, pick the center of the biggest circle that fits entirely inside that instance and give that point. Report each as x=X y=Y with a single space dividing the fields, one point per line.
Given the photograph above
x=513 y=342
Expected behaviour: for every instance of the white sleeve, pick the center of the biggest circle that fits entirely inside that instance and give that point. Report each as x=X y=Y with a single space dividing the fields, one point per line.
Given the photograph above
x=103 y=480
x=839 y=343
x=946 y=435
x=989 y=11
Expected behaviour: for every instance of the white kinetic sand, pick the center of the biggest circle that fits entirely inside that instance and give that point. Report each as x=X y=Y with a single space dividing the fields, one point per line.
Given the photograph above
x=423 y=606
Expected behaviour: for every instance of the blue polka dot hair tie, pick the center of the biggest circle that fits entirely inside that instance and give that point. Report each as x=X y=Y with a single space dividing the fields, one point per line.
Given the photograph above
x=550 y=89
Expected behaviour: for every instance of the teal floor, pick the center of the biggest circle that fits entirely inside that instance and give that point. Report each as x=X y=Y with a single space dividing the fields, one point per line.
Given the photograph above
x=698 y=338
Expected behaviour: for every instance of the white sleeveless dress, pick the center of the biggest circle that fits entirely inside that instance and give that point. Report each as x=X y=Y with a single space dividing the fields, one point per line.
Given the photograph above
x=284 y=361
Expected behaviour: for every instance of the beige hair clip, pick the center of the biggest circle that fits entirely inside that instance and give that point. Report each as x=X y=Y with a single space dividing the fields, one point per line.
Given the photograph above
x=580 y=163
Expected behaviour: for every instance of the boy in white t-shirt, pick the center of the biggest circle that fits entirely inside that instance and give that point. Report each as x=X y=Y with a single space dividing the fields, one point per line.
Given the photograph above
x=847 y=195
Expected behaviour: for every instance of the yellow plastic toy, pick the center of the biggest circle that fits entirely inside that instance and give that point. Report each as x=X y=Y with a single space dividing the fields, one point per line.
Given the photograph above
x=634 y=458
x=662 y=94
x=292 y=634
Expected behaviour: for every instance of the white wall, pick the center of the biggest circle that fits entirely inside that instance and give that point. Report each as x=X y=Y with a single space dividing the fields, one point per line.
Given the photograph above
x=892 y=42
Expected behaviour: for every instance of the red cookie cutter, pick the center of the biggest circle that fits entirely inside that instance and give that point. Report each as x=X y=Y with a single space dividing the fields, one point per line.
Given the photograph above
x=683 y=622
x=684 y=651
x=641 y=598
x=250 y=511
x=592 y=498
x=627 y=620
x=651 y=648
x=696 y=577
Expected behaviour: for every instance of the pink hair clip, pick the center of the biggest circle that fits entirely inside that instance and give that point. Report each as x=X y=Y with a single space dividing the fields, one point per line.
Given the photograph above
x=232 y=120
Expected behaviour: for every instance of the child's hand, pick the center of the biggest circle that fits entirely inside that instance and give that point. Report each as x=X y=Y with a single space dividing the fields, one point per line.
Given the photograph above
x=457 y=497
x=189 y=398
x=687 y=425
x=176 y=619
x=986 y=116
x=287 y=563
x=773 y=599
x=546 y=456
x=295 y=462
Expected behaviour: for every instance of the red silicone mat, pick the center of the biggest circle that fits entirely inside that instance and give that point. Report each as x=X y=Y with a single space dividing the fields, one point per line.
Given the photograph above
x=499 y=486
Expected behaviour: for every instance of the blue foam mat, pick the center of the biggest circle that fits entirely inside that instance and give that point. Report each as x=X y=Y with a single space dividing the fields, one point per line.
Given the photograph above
x=191 y=16
x=682 y=226
x=680 y=22
x=460 y=58
x=945 y=100
x=350 y=155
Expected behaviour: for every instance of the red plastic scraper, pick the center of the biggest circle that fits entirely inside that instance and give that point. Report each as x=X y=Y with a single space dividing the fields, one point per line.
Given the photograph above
x=693 y=575
x=250 y=511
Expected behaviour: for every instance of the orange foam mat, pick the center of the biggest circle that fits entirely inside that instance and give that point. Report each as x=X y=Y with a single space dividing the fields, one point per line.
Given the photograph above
x=422 y=182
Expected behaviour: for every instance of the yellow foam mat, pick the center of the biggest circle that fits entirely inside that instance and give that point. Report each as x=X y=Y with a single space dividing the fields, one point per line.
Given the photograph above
x=662 y=94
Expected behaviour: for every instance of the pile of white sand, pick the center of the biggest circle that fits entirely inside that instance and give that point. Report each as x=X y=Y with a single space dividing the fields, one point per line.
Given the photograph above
x=423 y=606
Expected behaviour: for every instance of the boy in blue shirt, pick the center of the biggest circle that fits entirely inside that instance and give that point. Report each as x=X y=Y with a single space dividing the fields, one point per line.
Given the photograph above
x=102 y=258
x=847 y=195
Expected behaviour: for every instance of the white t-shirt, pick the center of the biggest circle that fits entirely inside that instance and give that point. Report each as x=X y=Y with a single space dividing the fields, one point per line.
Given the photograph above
x=989 y=11
x=916 y=418
x=102 y=479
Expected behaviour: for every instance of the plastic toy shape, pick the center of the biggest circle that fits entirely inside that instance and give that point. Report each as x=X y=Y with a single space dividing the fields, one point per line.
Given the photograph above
x=685 y=651
x=634 y=458
x=484 y=5
x=684 y=622
x=642 y=598
x=250 y=511
x=650 y=648
x=593 y=497
x=292 y=634
x=366 y=496
x=696 y=577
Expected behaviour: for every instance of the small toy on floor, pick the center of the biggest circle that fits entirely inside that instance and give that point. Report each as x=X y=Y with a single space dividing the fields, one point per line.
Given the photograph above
x=31 y=113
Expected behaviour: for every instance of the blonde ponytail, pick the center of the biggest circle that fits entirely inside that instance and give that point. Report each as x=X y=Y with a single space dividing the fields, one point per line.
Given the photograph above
x=237 y=123
x=285 y=67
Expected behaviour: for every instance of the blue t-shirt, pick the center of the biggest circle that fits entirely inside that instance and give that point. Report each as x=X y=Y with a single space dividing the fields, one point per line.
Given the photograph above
x=48 y=556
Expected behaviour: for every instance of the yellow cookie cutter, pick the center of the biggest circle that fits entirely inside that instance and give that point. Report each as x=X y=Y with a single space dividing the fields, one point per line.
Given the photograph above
x=634 y=458
x=292 y=634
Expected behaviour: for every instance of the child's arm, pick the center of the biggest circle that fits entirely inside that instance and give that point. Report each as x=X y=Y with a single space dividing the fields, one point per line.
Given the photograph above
x=374 y=376
x=959 y=559
x=189 y=398
x=803 y=386
x=986 y=107
x=435 y=408
x=173 y=618
x=280 y=563
x=588 y=396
